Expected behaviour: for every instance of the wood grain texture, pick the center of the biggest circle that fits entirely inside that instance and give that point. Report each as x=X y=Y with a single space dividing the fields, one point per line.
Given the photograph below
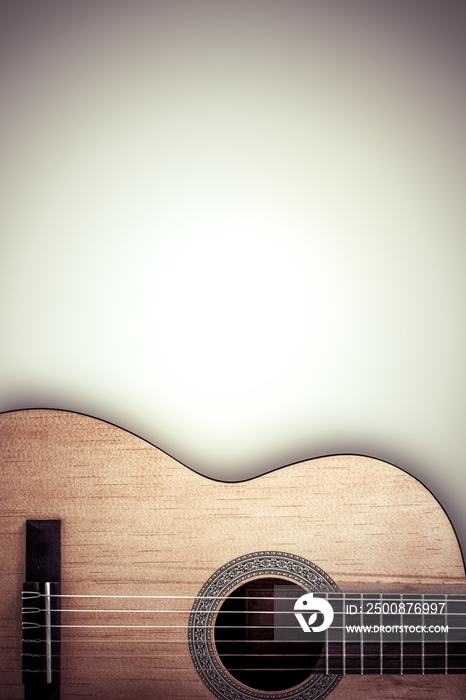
x=136 y=522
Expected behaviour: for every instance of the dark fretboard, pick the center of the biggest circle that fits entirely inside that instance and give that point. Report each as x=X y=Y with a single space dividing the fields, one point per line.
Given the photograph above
x=399 y=634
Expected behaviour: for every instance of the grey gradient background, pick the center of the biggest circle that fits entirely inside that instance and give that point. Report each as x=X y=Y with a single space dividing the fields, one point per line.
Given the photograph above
x=237 y=228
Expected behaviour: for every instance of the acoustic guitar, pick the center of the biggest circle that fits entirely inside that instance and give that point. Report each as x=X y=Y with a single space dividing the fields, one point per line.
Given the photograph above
x=125 y=574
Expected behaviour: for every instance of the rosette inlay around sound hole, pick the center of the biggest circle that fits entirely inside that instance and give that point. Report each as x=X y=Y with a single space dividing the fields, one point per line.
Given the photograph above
x=244 y=639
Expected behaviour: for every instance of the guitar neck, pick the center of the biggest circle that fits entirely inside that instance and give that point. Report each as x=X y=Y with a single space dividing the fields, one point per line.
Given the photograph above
x=395 y=634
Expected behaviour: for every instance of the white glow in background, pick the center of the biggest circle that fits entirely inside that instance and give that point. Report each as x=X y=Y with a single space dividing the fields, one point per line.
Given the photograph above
x=237 y=228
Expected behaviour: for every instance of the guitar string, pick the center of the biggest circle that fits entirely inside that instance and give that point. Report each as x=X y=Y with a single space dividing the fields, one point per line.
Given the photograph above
x=120 y=640
x=35 y=625
x=371 y=672
x=32 y=611
x=81 y=640
x=334 y=595
x=371 y=660
x=30 y=595
x=291 y=655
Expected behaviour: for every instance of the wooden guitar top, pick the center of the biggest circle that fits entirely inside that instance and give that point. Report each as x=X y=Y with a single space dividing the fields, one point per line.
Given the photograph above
x=135 y=522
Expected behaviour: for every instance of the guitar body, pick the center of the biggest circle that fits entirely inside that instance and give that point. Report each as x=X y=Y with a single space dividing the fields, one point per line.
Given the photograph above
x=135 y=522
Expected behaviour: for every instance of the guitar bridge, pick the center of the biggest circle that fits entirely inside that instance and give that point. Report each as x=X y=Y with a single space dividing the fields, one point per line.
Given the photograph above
x=41 y=611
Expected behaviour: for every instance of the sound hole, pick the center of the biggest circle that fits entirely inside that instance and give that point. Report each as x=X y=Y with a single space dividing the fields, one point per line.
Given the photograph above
x=258 y=639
